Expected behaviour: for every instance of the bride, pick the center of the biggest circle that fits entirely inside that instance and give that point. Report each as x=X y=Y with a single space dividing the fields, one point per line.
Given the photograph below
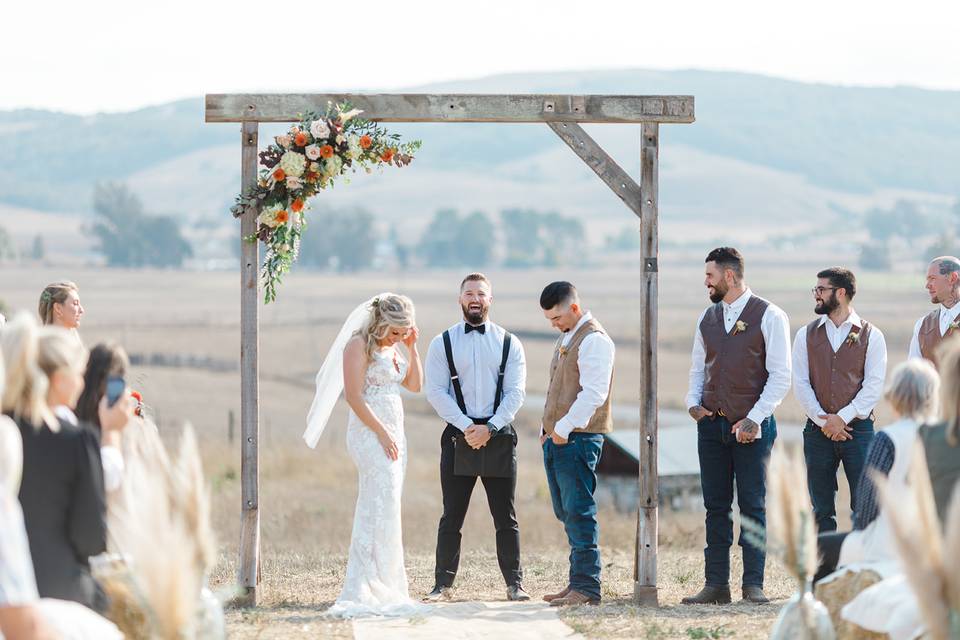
x=364 y=361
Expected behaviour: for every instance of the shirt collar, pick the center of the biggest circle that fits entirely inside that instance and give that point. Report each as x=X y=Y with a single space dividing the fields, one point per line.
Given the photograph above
x=739 y=303
x=951 y=313
x=586 y=317
x=853 y=319
x=485 y=325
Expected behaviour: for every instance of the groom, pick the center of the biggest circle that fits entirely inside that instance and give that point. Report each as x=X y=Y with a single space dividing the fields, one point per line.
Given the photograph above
x=475 y=377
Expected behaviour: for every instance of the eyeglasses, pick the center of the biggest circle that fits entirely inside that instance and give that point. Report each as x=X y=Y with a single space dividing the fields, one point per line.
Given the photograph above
x=819 y=290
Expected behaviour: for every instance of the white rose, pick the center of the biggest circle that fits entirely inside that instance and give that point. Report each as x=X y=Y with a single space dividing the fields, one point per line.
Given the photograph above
x=269 y=216
x=293 y=163
x=313 y=152
x=332 y=166
x=354 y=149
x=319 y=129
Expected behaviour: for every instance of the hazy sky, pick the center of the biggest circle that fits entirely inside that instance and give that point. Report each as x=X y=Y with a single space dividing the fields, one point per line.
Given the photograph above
x=111 y=55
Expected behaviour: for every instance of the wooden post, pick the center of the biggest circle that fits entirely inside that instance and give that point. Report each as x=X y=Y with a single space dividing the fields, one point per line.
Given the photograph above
x=249 y=561
x=645 y=571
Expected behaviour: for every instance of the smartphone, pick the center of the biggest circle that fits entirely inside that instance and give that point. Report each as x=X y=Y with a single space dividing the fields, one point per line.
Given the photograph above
x=115 y=387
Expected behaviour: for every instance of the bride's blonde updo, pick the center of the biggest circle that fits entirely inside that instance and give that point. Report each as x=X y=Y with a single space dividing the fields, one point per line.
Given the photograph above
x=387 y=310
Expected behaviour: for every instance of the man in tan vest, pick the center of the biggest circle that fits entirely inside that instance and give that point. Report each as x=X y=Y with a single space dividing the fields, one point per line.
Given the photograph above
x=576 y=414
x=943 y=285
x=740 y=373
x=839 y=364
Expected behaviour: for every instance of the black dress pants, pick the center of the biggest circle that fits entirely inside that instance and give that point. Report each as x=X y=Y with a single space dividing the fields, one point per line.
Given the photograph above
x=456 y=498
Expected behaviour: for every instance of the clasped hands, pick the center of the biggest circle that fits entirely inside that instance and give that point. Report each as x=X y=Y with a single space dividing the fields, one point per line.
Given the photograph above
x=835 y=428
x=477 y=435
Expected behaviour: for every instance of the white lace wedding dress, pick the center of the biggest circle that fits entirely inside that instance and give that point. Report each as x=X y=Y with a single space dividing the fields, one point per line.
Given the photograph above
x=376 y=582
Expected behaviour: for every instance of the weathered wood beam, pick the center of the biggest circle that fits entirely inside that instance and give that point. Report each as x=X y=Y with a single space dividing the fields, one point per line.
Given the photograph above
x=249 y=561
x=645 y=571
x=600 y=161
x=422 y=107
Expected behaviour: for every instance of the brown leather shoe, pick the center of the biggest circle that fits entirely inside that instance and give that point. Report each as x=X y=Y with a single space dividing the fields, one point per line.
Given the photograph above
x=710 y=595
x=550 y=597
x=574 y=598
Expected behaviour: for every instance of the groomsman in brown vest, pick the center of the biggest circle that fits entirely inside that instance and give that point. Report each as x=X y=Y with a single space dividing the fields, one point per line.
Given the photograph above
x=943 y=285
x=739 y=375
x=576 y=414
x=839 y=363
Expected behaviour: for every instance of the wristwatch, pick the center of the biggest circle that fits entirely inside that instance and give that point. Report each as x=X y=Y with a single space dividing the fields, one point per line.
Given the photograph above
x=492 y=429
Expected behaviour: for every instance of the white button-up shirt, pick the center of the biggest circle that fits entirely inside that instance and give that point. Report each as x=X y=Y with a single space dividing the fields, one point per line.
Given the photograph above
x=775 y=328
x=477 y=359
x=947 y=317
x=874 y=370
x=595 y=361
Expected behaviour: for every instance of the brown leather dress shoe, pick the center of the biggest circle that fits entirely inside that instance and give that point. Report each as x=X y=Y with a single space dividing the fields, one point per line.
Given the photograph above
x=710 y=595
x=755 y=595
x=550 y=597
x=574 y=598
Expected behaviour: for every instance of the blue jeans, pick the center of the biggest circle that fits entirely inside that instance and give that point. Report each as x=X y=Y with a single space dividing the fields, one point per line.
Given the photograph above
x=823 y=457
x=572 y=476
x=724 y=461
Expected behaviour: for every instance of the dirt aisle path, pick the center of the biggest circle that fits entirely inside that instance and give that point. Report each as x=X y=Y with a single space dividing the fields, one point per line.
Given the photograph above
x=470 y=621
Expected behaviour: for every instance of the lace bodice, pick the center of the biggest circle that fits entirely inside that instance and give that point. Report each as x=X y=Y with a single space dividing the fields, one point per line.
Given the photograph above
x=384 y=374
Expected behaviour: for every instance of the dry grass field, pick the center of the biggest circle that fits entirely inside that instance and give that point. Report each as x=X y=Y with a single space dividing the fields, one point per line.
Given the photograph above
x=307 y=496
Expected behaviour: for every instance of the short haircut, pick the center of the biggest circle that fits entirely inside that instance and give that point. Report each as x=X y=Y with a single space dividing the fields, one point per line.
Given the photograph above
x=475 y=277
x=841 y=279
x=727 y=258
x=946 y=264
x=555 y=293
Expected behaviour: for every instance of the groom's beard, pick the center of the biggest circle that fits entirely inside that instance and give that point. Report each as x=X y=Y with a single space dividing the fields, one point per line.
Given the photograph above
x=475 y=316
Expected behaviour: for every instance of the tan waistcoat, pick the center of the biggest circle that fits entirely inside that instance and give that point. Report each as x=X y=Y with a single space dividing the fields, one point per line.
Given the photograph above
x=565 y=384
x=929 y=336
x=735 y=370
x=836 y=378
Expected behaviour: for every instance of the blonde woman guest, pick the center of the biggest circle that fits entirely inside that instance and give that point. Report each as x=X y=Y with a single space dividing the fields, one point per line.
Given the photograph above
x=60 y=306
x=22 y=613
x=366 y=364
x=913 y=392
x=62 y=489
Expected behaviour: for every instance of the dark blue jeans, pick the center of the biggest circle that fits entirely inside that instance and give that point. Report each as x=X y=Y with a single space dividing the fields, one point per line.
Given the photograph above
x=823 y=457
x=572 y=477
x=723 y=462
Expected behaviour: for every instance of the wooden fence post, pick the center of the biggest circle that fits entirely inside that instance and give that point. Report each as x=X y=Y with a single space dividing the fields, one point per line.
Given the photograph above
x=645 y=570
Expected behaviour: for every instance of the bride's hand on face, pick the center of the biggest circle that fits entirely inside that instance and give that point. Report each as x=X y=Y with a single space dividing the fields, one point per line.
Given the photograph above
x=389 y=445
x=410 y=340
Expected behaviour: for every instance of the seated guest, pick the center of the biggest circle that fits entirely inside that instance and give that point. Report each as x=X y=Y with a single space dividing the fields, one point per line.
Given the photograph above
x=62 y=489
x=941 y=441
x=912 y=393
x=60 y=306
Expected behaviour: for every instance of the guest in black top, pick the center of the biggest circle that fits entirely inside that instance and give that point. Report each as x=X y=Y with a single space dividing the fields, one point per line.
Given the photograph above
x=62 y=491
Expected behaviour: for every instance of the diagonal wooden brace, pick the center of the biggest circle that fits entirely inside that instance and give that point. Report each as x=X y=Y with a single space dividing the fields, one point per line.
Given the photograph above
x=600 y=161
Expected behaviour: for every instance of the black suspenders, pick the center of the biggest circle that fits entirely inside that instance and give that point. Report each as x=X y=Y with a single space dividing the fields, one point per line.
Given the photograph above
x=455 y=378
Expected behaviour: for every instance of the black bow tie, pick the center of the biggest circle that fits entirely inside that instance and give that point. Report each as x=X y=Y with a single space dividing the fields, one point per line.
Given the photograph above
x=481 y=328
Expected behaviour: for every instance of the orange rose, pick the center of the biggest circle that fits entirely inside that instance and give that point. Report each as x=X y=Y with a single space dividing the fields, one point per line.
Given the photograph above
x=282 y=216
x=326 y=151
x=300 y=139
x=366 y=141
x=387 y=155
x=297 y=205
x=278 y=174
x=311 y=176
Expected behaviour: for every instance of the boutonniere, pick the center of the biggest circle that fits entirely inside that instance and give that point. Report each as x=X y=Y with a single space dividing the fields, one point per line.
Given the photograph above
x=740 y=327
x=853 y=337
x=954 y=326
x=562 y=351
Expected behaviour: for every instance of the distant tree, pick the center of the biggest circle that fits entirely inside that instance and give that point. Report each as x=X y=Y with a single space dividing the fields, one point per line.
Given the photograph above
x=438 y=242
x=628 y=239
x=475 y=240
x=6 y=246
x=875 y=256
x=945 y=245
x=38 y=251
x=882 y=224
x=534 y=238
x=345 y=240
x=128 y=237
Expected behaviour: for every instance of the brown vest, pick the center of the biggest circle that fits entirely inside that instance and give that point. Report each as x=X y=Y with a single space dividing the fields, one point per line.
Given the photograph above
x=836 y=378
x=565 y=384
x=929 y=336
x=735 y=365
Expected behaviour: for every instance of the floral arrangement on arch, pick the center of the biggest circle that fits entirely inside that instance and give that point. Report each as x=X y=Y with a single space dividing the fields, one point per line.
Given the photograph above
x=311 y=156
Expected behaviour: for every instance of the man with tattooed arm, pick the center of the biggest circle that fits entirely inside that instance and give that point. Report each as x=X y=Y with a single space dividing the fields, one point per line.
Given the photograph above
x=739 y=375
x=943 y=285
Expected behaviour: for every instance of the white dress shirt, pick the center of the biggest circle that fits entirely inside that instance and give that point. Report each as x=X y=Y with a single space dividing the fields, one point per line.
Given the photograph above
x=595 y=361
x=947 y=317
x=874 y=370
x=775 y=328
x=477 y=359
